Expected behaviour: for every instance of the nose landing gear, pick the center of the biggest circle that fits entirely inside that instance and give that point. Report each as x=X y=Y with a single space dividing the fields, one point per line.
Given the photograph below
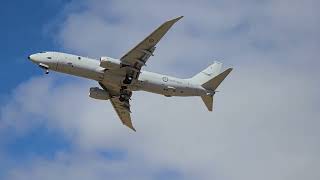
x=44 y=67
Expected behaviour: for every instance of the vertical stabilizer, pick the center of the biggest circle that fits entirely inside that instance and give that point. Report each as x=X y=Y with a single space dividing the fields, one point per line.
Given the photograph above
x=210 y=78
x=212 y=84
x=207 y=73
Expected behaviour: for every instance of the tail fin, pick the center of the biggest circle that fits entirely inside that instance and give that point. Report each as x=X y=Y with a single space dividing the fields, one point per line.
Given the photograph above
x=207 y=73
x=210 y=79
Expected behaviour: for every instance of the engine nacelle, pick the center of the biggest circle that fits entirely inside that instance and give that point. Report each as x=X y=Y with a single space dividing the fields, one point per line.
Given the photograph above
x=109 y=63
x=97 y=93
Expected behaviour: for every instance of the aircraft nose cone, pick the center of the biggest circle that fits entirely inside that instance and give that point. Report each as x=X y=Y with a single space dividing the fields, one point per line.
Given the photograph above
x=31 y=58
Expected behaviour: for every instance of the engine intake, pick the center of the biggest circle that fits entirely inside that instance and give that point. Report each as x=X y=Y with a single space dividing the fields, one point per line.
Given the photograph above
x=109 y=63
x=97 y=93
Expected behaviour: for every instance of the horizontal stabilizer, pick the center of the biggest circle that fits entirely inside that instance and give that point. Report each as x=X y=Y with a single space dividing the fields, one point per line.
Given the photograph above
x=213 y=83
x=208 y=101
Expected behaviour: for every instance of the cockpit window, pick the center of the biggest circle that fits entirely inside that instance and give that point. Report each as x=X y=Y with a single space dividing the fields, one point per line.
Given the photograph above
x=43 y=52
x=49 y=58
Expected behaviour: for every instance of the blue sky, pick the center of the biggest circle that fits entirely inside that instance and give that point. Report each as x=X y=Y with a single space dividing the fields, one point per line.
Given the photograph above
x=25 y=30
x=265 y=122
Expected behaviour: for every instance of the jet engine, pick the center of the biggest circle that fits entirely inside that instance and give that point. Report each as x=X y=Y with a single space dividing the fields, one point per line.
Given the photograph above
x=109 y=63
x=97 y=93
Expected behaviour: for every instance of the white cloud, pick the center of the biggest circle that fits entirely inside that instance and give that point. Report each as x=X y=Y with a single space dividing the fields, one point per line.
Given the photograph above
x=265 y=122
x=72 y=167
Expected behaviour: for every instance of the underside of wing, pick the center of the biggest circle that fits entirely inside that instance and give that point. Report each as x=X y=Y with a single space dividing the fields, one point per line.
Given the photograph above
x=123 y=111
x=122 y=108
x=138 y=56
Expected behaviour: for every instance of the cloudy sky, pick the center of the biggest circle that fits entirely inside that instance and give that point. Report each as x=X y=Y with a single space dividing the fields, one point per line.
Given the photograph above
x=266 y=119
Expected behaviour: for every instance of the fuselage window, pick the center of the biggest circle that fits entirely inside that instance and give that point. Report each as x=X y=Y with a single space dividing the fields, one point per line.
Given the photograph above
x=79 y=58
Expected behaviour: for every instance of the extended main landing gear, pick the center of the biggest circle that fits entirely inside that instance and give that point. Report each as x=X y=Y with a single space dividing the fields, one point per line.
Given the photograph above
x=125 y=95
x=128 y=79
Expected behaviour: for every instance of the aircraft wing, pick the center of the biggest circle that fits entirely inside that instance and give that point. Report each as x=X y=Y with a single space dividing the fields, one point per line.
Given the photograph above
x=122 y=108
x=123 y=111
x=138 y=56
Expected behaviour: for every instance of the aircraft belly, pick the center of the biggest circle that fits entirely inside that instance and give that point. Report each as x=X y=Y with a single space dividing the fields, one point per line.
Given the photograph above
x=111 y=79
x=169 y=90
x=86 y=73
x=63 y=68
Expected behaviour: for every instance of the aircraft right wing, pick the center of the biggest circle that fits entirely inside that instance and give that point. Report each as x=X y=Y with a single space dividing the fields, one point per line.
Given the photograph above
x=138 y=56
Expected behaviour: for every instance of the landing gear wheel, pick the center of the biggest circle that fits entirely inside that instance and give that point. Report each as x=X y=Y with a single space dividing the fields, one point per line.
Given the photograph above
x=128 y=80
x=122 y=98
x=123 y=88
x=125 y=96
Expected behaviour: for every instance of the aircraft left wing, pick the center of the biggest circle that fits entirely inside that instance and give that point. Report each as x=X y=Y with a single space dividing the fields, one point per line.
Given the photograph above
x=123 y=111
x=122 y=108
x=138 y=56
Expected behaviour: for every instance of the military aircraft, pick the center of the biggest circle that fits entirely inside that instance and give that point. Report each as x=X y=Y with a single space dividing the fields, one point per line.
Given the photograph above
x=118 y=78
